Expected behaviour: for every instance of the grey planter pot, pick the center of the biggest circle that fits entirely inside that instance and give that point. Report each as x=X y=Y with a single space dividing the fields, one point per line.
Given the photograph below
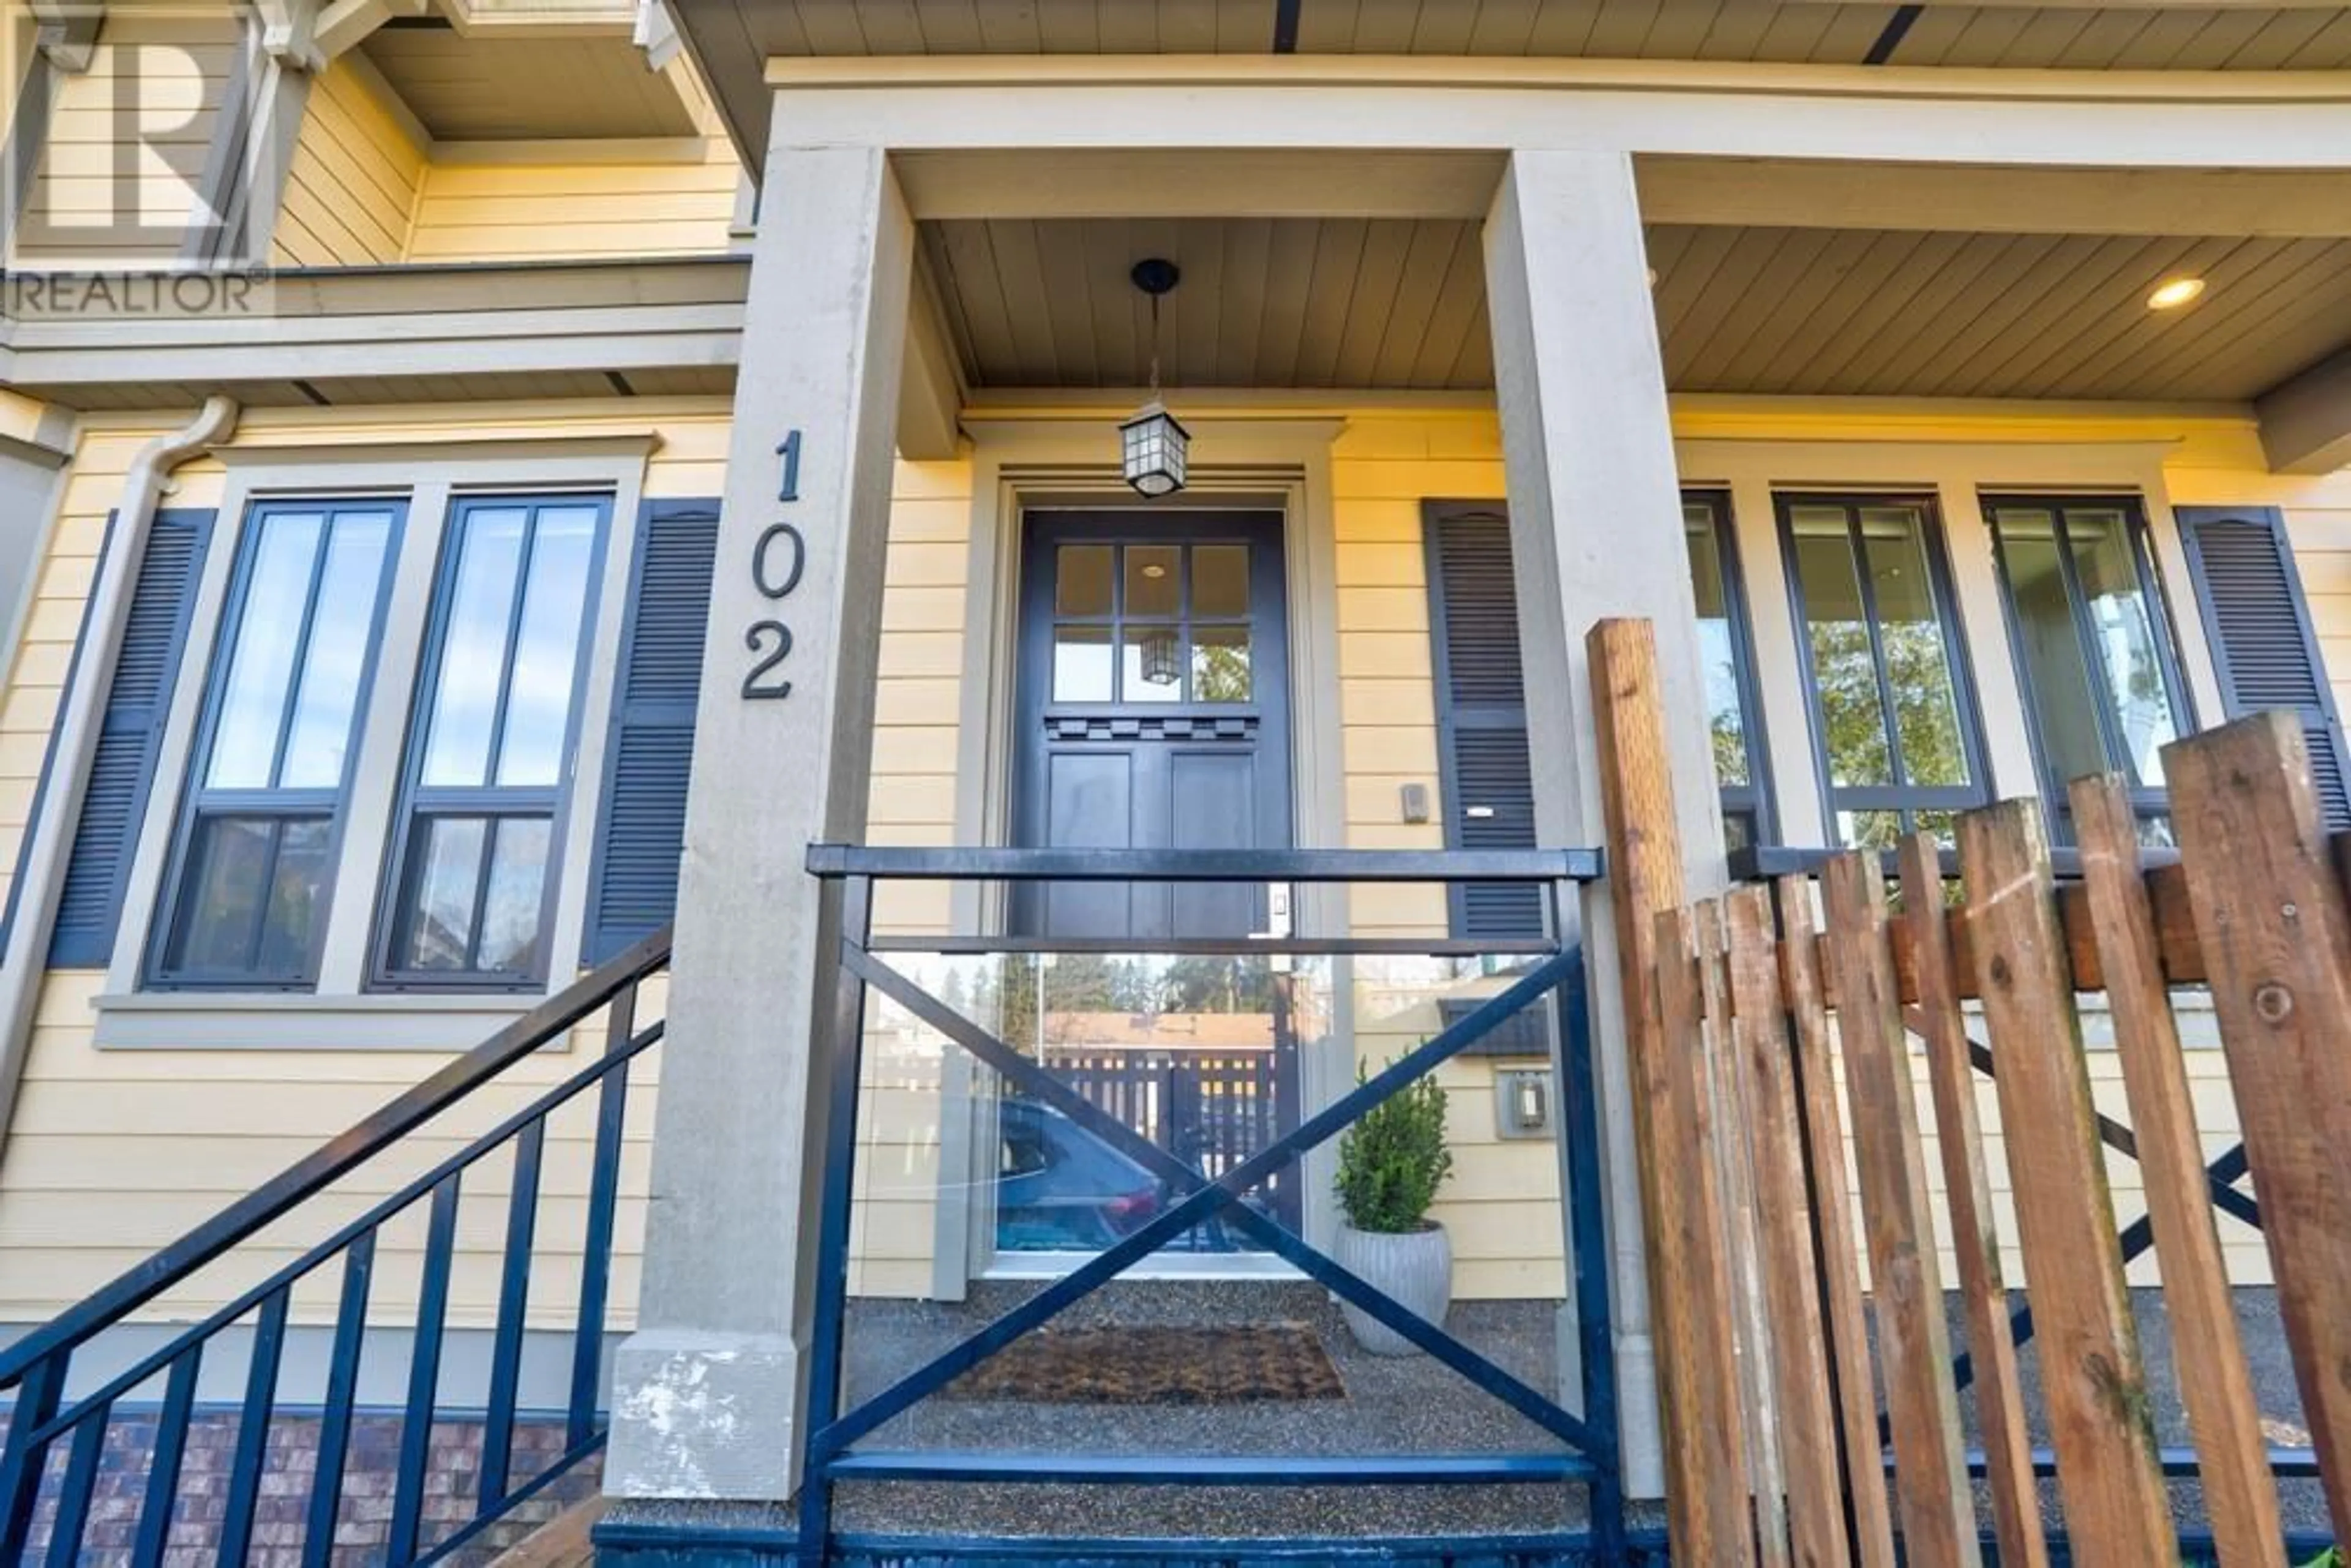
x=1416 y=1268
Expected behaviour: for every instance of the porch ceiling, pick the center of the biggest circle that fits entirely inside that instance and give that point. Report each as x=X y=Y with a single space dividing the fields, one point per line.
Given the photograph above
x=1400 y=303
x=488 y=89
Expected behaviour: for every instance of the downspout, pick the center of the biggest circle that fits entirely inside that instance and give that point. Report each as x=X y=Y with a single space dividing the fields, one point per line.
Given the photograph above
x=25 y=965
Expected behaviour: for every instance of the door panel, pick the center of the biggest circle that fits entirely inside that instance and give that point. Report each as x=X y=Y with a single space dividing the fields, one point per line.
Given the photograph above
x=1153 y=713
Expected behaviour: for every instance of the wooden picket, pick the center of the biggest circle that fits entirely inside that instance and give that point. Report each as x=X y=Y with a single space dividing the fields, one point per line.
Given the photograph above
x=1746 y=1007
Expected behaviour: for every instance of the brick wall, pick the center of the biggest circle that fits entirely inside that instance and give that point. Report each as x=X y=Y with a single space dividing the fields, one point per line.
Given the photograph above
x=363 y=1518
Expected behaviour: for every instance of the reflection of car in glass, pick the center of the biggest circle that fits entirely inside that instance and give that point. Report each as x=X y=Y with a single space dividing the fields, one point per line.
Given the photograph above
x=1059 y=1187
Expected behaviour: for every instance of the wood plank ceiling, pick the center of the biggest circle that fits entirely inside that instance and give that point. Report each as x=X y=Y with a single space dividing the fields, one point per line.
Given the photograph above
x=1398 y=303
x=2083 y=36
x=506 y=90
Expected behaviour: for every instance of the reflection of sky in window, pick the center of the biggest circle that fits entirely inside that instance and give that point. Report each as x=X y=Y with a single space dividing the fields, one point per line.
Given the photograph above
x=539 y=682
x=472 y=649
x=245 y=740
x=336 y=655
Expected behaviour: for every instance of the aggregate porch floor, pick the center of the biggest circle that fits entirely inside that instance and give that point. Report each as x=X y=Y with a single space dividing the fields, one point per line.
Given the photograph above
x=1392 y=1406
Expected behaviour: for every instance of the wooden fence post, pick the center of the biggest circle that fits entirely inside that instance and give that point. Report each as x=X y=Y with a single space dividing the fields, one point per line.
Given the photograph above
x=1705 y=1419
x=1832 y=1209
x=1930 y=1479
x=1975 y=1235
x=2231 y=1456
x=1767 y=1476
x=1799 y=1352
x=2276 y=939
x=2093 y=1384
x=1645 y=878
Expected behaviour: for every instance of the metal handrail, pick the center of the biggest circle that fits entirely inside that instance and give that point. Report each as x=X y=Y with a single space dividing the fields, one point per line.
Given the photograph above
x=37 y=1365
x=830 y=1445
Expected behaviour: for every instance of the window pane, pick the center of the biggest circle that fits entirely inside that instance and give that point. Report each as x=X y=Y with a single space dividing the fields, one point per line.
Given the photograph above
x=1081 y=664
x=1918 y=660
x=1852 y=721
x=547 y=647
x=296 y=886
x=1082 y=584
x=1154 y=580
x=269 y=632
x=2122 y=624
x=1869 y=830
x=517 y=885
x=1220 y=664
x=446 y=860
x=1152 y=670
x=335 y=657
x=474 y=648
x=1221 y=581
x=227 y=864
x=1717 y=648
x=2059 y=683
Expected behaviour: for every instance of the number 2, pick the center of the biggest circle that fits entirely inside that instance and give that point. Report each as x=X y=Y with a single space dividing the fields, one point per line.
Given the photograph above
x=752 y=639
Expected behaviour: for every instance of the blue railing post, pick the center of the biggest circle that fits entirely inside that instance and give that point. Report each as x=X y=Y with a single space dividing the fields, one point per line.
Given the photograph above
x=21 y=1458
x=851 y=907
x=1588 y=1246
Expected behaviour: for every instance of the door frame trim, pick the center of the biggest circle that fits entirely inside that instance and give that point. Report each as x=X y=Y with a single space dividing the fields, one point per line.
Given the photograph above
x=1281 y=464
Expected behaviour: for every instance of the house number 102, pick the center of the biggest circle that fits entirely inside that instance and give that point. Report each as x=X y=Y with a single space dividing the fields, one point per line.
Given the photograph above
x=778 y=559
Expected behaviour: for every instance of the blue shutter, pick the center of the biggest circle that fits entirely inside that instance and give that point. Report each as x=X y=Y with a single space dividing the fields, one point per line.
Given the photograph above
x=2263 y=642
x=641 y=833
x=1481 y=709
x=122 y=767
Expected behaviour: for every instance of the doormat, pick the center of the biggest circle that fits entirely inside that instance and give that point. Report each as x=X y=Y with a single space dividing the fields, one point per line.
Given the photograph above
x=1236 y=1365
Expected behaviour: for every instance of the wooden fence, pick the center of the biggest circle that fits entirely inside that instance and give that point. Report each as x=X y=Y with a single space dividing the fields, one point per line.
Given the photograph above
x=1780 y=1406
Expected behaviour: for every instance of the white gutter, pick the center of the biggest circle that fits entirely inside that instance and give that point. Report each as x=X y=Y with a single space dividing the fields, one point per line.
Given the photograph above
x=25 y=962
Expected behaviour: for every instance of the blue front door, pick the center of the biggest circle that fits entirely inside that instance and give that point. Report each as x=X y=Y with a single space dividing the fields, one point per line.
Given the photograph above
x=1153 y=712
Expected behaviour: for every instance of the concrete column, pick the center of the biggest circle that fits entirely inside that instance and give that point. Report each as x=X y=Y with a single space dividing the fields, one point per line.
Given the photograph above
x=711 y=1392
x=1595 y=528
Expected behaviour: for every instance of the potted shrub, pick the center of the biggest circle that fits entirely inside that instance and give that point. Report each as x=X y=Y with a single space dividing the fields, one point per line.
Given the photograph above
x=1390 y=1163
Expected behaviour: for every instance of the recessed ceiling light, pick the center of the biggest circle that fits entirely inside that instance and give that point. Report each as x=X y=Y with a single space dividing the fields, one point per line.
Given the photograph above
x=2171 y=294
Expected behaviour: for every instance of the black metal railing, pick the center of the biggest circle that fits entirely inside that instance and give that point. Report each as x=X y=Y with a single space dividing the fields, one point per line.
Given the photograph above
x=835 y=1444
x=59 y=1408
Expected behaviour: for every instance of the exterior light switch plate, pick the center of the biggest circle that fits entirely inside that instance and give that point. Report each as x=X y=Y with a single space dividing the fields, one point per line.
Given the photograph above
x=1522 y=1103
x=1415 y=803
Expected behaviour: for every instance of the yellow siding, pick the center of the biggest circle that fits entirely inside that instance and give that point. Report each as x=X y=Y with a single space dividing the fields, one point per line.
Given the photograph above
x=351 y=190
x=114 y=1153
x=509 y=212
x=80 y=211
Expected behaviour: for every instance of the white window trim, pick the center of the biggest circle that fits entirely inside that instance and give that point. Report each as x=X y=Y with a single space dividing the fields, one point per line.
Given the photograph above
x=1958 y=474
x=341 y=1013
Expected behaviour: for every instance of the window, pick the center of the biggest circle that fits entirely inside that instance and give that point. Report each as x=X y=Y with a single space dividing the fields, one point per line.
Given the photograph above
x=1892 y=719
x=472 y=856
x=2101 y=686
x=246 y=899
x=1728 y=664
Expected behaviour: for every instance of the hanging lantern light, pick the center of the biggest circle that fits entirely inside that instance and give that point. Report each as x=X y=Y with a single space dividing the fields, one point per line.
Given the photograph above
x=1162 y=652
x=1154 y=445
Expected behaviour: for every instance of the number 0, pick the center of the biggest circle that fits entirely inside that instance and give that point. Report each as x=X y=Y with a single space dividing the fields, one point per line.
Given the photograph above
x=762 y=578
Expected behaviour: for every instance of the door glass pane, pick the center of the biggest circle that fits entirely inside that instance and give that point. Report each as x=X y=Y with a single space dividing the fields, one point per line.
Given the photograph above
x=229 y=861
x=448 y=868
x=474 y=648
x=1852 y=718
x=1718 y=649
x=296 y=884
x=1917 y=659
x=268 y=636
x=2059 y=683
x=518 y=884
x=547 y=647
x=1153 y=667
x=1154 y=581
x=2122 y=624
x=1082 y=581
x=336 y=655
x=1220 y=664
x=1081 y=664
x=1220 y=586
